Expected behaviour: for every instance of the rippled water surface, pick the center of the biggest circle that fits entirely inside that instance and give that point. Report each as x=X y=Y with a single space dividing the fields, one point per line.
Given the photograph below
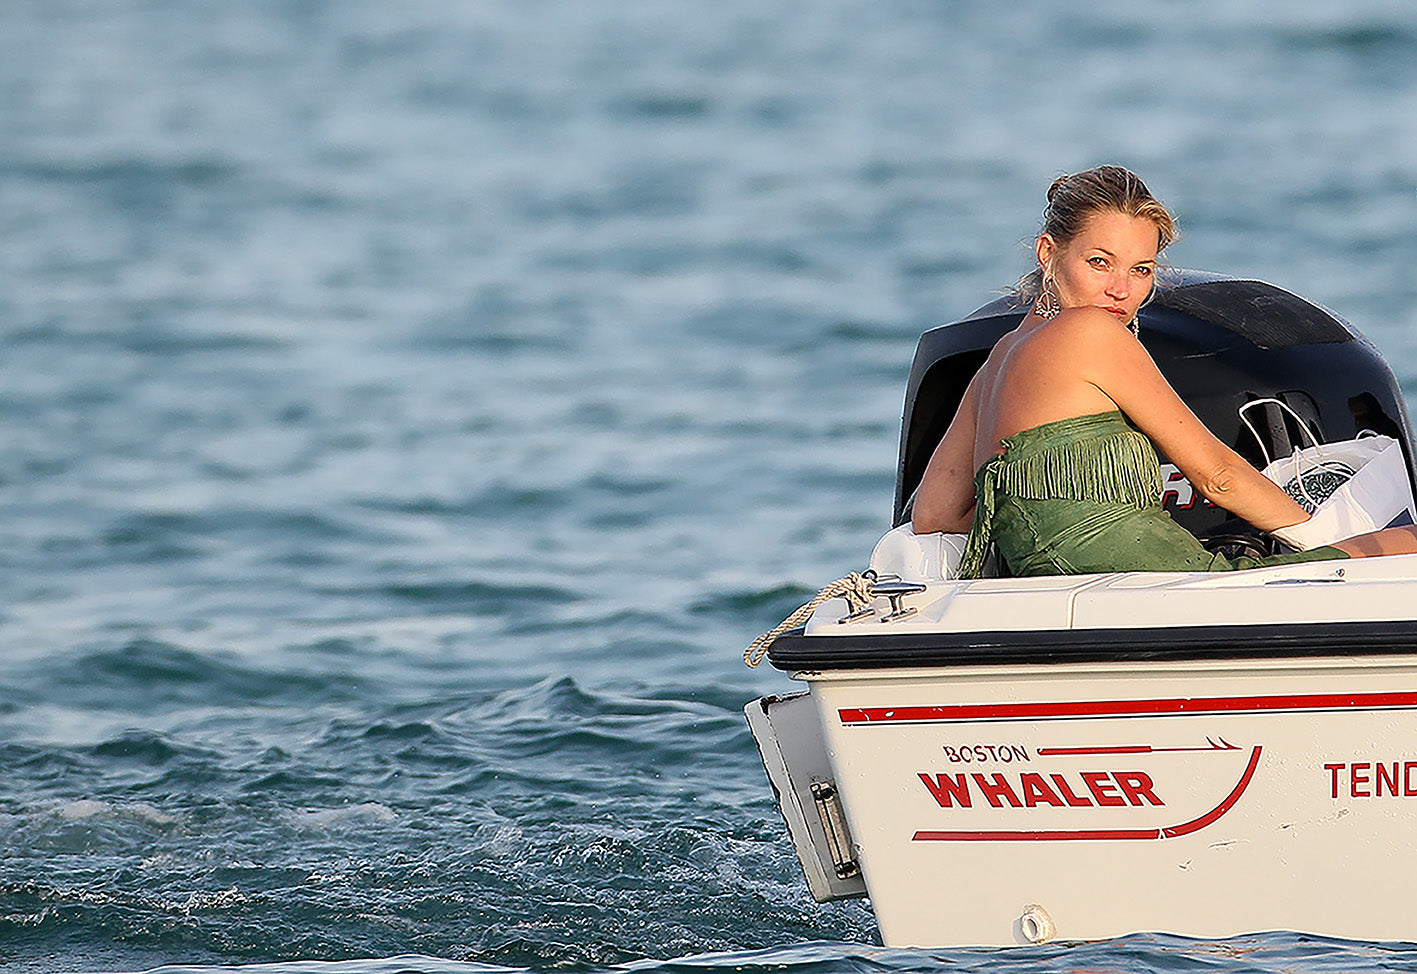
x=410 y=410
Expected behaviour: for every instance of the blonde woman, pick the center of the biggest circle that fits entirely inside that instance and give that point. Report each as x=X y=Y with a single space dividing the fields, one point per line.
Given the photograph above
x=1052 y=454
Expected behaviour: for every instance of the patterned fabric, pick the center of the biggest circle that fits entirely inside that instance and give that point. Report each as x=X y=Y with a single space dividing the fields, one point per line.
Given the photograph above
x=1084 y=495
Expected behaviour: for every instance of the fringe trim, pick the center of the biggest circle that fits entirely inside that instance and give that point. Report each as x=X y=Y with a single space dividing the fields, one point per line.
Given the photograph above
x=1118 y=468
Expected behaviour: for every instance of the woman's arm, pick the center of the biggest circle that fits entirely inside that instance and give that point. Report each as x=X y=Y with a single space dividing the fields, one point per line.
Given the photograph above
x=1118 y=365
x=944 y=501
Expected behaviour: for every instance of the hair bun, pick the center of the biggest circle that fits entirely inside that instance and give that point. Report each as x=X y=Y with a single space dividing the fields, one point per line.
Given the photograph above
x=1073 y=198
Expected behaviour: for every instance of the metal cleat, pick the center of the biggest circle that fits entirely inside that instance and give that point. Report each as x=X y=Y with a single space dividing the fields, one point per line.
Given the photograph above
x=894 y=592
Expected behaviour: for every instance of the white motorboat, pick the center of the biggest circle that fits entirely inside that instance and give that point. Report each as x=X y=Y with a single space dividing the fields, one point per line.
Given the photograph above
x=1012 y=760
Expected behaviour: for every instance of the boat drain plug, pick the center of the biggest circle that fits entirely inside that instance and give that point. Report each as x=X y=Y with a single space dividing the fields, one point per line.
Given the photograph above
x=1035 y=924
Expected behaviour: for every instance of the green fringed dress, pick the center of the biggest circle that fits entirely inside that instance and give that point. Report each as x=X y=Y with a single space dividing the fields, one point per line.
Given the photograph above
x=1084 y=495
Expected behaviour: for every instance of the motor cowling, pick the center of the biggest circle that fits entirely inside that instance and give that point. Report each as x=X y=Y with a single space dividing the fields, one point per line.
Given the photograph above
x=1221 y=342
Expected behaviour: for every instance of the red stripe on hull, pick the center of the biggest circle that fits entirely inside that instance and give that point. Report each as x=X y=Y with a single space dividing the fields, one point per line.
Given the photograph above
x=1177 y=706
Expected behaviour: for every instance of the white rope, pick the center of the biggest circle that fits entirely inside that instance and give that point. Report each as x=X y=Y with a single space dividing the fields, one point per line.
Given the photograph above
x=855 y=588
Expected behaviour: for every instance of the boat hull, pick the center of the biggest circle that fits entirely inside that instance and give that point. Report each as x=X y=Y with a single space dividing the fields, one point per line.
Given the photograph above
x=1007 y=804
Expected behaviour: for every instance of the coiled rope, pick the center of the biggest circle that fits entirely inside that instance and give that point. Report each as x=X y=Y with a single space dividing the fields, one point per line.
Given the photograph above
x=855 y=588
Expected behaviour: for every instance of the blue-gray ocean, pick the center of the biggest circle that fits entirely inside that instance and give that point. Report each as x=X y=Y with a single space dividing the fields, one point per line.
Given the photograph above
x=410 y=410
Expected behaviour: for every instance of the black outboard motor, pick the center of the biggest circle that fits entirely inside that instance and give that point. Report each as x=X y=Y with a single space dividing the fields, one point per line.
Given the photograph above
x=1220 y=342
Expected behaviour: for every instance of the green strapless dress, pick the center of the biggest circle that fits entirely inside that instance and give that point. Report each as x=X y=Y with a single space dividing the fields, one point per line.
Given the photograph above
x=1084 y=495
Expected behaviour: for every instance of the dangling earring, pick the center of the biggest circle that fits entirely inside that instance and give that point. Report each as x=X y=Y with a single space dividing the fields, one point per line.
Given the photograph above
x=1046 y=305
x=1134 y=326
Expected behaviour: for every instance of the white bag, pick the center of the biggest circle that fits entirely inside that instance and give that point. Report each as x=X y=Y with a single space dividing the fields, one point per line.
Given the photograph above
x=1350 y=487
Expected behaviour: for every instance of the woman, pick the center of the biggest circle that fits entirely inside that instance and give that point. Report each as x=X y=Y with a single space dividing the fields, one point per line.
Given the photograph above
x=1050 y=455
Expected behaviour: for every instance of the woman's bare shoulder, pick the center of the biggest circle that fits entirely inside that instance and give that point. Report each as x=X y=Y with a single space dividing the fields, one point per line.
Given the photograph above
x=1087 y=322
x=1080 y=332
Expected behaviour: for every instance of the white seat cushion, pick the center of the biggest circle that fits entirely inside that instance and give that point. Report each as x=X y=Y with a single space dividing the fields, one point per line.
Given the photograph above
x=917 y=557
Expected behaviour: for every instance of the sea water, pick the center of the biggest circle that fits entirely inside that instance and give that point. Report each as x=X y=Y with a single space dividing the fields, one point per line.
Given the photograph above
x=409 y=411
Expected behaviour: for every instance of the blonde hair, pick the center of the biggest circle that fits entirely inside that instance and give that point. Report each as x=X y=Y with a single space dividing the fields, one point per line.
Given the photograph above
x=1073 y=199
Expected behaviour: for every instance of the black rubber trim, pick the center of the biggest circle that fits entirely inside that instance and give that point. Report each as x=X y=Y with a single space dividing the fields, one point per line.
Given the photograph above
x=795 y=651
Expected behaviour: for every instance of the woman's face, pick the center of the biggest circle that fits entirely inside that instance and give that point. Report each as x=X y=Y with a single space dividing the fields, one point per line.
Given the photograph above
x=1109 y=265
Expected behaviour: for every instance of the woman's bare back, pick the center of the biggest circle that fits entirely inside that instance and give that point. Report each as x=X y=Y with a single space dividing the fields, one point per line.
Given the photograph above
x=1032 y=377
